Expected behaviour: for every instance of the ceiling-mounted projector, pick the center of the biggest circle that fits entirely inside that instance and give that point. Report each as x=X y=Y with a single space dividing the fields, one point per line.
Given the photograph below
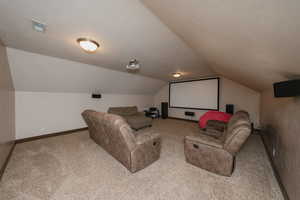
x=133 y=65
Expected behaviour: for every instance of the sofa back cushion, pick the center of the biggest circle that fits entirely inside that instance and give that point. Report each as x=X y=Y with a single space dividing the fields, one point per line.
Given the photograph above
x=237 y=116
x=110 y=131
x=123 y=111
x=238 y=130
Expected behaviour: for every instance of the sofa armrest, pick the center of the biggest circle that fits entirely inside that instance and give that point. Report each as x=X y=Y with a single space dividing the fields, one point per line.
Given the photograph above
x=145 y=137
x=208 y=154
x=147 y=150
x=206 y=140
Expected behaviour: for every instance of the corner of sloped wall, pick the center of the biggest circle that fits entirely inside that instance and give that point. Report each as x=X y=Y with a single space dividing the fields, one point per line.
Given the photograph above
x=7 y=107
x=242 y=97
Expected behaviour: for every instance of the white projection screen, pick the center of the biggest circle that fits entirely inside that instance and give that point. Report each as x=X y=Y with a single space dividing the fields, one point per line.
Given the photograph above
x=197 y=94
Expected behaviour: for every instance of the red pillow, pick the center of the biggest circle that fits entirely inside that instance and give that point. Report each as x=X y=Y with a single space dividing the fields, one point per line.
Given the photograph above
x=213 y=115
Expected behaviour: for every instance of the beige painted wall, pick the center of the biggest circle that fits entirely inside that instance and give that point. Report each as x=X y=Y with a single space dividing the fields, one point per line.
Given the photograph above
x=39 y=113
x=51 y=92
x=7 y=133
x=230 y=93
x=280 y=119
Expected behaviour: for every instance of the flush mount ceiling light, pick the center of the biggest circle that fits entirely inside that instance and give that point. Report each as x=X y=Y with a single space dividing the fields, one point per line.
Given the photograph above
x=176 y=75
x=133 y=65
x=88 y=45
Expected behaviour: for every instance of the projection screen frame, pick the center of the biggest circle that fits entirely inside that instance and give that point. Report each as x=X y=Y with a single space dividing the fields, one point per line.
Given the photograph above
x=204 y=79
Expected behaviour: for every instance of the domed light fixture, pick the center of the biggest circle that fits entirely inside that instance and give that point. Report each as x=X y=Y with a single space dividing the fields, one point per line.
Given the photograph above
x=88 y=45
x=176 y=75
x=133 y=65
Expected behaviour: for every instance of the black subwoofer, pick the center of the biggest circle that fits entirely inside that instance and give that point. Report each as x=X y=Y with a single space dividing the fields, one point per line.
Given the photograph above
x=164 y=110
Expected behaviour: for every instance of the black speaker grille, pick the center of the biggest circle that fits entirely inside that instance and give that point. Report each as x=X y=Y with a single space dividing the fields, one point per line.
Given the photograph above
x=164 y=110
x=230 y=108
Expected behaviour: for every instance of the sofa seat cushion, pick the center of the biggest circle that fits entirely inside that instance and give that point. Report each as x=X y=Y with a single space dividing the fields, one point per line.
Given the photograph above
x=124 y=111
x=205 y=140
x=216 y=125
x=213 y=133
x=138 y=121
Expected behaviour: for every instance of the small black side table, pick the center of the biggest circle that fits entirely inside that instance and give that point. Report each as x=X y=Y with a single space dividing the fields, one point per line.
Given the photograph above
x=152 y=112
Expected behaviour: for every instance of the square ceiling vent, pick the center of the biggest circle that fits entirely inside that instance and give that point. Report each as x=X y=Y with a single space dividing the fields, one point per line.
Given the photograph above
x=38 y=26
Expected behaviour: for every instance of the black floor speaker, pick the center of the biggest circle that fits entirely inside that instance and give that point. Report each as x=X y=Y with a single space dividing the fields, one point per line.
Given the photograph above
x=230 y=108
x=164 y=110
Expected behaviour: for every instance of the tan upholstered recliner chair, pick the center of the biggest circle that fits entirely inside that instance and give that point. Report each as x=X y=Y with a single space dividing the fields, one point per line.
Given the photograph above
x=113 y=133
x=216 y=152
x=216 y=128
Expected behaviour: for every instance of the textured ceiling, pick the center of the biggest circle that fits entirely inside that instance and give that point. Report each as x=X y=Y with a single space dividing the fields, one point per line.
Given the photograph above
x=254 y=42
x=125 y=29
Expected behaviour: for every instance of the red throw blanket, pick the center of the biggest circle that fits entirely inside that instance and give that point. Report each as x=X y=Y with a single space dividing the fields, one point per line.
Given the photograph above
x=213 y=115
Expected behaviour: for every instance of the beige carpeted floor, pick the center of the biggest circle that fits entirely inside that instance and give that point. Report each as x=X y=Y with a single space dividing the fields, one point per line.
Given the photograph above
x=74 y=167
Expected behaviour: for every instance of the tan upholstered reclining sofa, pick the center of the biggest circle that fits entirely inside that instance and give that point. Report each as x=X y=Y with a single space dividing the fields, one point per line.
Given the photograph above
x=215 y=150
x=114 y=134
x=135 y=119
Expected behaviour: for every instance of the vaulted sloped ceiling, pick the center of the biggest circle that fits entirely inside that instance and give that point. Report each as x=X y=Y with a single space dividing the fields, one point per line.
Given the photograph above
x=39 y=73
x=254 y=42
x=125 y=29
